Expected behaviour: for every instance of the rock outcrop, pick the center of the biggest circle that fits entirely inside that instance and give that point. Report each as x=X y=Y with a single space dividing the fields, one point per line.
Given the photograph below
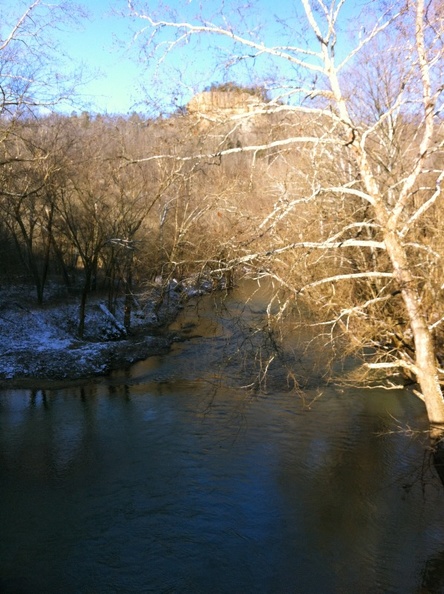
x=228 y=102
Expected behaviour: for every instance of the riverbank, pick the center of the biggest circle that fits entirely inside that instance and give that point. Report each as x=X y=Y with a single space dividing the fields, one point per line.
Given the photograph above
x=41 y=342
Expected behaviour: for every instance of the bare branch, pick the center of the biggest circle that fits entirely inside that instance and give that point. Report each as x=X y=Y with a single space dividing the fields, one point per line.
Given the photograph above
x=429 y=103
x=210 y=28
x=424 y=207
x=393 y=365
x=347 y=277
x=232 y=151
x=18 y=25
x=351 y=192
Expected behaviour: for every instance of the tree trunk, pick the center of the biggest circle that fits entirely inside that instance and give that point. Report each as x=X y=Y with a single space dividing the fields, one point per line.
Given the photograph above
x=426 y=363
x=425 y=358
x=83 y=299
x=128 y=293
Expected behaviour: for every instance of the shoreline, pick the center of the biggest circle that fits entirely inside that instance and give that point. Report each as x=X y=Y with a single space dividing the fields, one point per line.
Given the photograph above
x=38 y=344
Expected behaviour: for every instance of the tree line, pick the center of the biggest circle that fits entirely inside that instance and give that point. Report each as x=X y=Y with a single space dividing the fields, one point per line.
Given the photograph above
x=79 y=205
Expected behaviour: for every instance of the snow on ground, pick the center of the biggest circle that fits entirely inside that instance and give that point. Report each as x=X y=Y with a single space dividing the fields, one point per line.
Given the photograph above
x=40 y=342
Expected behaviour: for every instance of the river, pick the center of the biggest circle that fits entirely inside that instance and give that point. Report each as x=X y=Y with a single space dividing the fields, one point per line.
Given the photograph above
x=171 y=477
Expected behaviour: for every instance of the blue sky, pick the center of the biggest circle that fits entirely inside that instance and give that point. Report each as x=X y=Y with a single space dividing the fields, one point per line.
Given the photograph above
x=105 y=45
x=112 y=73
x=116 y=73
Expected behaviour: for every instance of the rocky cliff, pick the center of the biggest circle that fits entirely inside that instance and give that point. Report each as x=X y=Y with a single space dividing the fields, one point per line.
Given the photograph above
x=229 y=102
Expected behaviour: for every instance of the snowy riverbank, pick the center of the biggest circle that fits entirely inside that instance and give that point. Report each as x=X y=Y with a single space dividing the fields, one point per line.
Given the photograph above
x=40 y=342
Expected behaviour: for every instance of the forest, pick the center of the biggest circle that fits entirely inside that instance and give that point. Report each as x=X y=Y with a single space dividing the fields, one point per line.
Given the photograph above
x=330 y=188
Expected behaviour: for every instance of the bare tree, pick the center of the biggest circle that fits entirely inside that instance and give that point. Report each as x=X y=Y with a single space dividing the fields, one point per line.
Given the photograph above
x=34 y=77
x=370 y=103
x=35 y=72
x=85 y=214
x=34 y=155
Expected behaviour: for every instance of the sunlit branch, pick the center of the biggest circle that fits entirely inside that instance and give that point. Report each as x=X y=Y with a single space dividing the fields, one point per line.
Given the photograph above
x=190 y=30
x=328 y=245
x=358 y=309
x=359 y=226
x=18 y=25
x=346 y=277
x=231 y=151
x=350 y=191
x=281 y=211
x=422 y=209
x=429 y=103
x=393 y=365
x=436 y=324
x=424 y=248
x=377 y=29
x=383 y=118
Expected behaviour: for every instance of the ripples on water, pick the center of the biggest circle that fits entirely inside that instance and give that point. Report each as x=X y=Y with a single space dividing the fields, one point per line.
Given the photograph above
x=169 y=478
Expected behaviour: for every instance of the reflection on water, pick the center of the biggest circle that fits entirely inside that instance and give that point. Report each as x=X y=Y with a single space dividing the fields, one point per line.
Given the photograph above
x=169 y=478
x=433 y=574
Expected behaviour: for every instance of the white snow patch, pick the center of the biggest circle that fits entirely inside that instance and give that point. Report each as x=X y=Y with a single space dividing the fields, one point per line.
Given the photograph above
x=42 y=341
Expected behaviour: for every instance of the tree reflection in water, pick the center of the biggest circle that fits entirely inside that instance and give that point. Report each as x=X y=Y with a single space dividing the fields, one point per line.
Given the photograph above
x=433 y=575
x=144 y=482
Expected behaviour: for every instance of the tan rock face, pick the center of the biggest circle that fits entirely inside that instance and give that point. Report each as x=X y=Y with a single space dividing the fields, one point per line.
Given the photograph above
x=227 y=101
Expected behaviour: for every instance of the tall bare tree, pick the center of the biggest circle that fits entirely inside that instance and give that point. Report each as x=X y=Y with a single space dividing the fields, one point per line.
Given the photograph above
x=364 y=105
x=35 y=76
x=34 y=155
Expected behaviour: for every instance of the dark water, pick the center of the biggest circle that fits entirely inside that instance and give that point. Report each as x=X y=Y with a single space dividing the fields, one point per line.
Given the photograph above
x=170 y=478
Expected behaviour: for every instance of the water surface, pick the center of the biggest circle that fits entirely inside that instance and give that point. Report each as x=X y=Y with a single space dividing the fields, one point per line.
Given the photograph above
x=169 y=477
